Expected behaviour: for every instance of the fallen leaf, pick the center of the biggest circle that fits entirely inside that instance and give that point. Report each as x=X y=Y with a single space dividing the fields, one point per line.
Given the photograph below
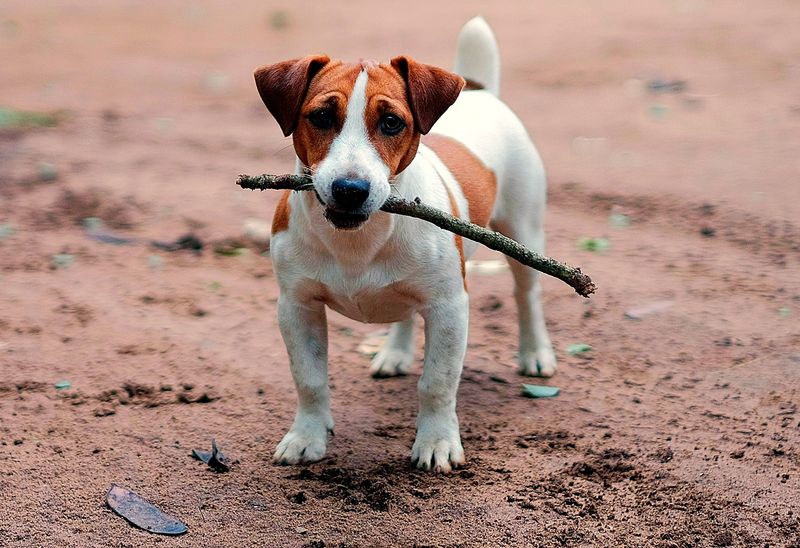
x=215 y=459
x=666 y=86
x=141 y=513
x=784 y=312
x=96 y=231
x=63 y=260
x=12 y=118
x=6 y=231
x=154 y=262
x=279 y=19
x=230 y=247
x=62 y=385
x=576 y=349
x=187 y=241
x=594 y=244
x=539 y=391
x=47 y=172
x=92 y=224
x=109 y=237
x=639 y=312
x=619 y=220
x=658 y=111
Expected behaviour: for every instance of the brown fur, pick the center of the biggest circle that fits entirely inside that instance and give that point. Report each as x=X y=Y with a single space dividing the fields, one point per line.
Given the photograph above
x=478 y=183
x=431 y=90
x=280 y=219
x=330 y=88
x=386 y=93
x=415 y=92
x=283 y=86
x=459 y=240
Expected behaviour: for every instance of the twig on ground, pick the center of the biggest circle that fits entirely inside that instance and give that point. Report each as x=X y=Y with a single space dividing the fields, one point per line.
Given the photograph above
x=572 y=276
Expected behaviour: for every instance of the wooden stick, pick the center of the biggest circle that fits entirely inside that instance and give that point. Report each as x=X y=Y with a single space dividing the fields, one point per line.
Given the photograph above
x=572 y=276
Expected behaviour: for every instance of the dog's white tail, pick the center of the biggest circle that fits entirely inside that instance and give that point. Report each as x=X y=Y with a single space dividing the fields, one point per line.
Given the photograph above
x=478 y=58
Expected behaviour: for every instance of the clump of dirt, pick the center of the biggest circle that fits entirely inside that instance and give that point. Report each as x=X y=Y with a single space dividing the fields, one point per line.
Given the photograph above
x=352 y=487
x=71 y=207
x=22 y=386
x=82 y=313
x=147 y=395
x=548 y=441
x=611 y=466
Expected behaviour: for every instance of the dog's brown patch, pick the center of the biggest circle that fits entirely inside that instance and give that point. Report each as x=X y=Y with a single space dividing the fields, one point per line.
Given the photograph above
x=280 y=220
x=459 y=241
x=478 y=183
x=331 y=88
x=386 y=93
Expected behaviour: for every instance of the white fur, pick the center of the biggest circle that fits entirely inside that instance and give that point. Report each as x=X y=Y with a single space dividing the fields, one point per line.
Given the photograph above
x=394 y=267
x=352 y=155
x=477 y=57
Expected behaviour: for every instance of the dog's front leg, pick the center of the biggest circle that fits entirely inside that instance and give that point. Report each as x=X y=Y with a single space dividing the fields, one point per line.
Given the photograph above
x=438 y=443
x=305 y=333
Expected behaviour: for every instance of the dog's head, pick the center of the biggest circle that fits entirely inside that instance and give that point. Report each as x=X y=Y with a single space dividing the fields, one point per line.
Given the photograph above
x=355 y=126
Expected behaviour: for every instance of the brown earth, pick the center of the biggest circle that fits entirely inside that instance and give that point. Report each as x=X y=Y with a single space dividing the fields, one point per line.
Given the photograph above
x=678 y=429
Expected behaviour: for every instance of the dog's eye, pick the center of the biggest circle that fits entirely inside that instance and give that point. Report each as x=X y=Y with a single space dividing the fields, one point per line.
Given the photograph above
x=391 y=124
x=321 y=118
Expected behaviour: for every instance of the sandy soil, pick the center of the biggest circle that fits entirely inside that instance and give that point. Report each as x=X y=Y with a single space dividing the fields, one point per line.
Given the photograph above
x=678 y=429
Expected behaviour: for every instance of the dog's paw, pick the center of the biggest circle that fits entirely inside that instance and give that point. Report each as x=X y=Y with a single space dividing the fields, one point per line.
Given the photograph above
x=541 y=363
x=437 y=449
x=305 y=444
x=391 y=362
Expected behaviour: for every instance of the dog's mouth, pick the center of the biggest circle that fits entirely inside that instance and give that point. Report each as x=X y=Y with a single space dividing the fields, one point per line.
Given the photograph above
x=345 y=221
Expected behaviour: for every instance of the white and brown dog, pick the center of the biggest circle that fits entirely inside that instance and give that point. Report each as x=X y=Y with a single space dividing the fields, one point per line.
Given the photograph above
x=357 y=130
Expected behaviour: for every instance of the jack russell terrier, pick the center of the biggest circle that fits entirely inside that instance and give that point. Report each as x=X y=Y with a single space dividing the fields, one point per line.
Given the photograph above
x=357 y=131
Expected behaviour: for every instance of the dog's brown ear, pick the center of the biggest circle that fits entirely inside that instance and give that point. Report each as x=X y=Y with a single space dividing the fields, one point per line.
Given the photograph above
x=431 y=90
x=283 y=87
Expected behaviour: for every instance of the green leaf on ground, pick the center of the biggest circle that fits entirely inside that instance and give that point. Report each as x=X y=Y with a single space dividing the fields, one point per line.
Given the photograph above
x=539 y=391
x=594 y=244
x=577 y=349
x=154 y=262
x=63 y=260
x=279 y=19
x=11 y=118
x=619 y=220
x=6 y=231
x=47 y=172
x=63 y=385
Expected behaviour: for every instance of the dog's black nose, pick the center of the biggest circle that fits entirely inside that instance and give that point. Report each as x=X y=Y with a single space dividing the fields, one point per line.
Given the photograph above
x=349 y=194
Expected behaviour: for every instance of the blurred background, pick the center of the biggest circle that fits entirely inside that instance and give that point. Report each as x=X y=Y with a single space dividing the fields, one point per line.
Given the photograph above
x=670 y=130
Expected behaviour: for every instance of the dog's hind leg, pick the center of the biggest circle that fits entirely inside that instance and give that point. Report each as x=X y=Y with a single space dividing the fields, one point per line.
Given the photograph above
x=520 y=215
x=397 y=355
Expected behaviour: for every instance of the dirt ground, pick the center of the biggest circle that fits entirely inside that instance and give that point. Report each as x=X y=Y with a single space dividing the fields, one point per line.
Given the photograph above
x=681 y=428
